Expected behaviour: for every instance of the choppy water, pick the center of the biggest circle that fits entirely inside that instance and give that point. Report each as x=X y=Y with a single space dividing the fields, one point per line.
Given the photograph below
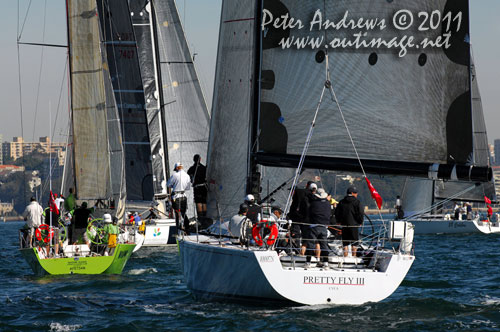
x=453 y=285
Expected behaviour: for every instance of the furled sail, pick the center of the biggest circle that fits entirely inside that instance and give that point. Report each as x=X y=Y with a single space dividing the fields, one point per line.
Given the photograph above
x=143 y=21
x=186 y=114
x=121 y=50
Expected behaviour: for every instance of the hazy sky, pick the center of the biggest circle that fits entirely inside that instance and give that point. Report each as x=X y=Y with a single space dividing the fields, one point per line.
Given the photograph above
x=201 y=19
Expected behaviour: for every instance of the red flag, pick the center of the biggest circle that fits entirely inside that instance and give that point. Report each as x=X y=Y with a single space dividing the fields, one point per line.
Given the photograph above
x=490 y=211
x=374 y=193
x=52 y=204
x=487 y=200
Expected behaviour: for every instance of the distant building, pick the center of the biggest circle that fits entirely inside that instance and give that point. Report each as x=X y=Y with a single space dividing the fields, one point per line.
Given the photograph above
x=1 y=149
x=18 y=147
x=496 y=177
x=6 y=208
x=7 y=169
x=491 y=149
x=497 y=152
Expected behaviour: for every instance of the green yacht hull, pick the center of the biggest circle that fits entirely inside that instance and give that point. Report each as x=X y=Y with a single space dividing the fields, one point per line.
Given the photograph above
x=80 y=265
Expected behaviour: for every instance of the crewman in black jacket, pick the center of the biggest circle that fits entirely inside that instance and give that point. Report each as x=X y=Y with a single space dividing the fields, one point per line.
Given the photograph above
x=319 y=218
x=350 y=213
x=299 y=214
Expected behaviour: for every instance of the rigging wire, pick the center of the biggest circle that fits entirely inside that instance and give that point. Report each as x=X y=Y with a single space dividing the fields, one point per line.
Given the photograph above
x=60 y=95
x=20 y=94
x=21 y=29
x=40 y=71
x=433 y=206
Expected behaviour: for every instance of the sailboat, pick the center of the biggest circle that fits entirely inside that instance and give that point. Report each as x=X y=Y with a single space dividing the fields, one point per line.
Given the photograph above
x=265 y=97
x=177 y=115
x=106 y=131
x=424 y=199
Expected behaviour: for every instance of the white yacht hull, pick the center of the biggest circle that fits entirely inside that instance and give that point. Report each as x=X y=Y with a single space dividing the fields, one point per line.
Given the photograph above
x=219 y=271
x=161 y=233
x=442 y=226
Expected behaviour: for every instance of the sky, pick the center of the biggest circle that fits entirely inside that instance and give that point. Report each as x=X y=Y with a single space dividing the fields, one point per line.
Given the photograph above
x=42 y=75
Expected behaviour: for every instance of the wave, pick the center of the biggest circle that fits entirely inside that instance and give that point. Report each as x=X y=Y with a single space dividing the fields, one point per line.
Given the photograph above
x=142 y=271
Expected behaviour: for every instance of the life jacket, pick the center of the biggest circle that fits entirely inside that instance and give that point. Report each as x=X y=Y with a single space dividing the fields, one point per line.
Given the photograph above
x=112 y=241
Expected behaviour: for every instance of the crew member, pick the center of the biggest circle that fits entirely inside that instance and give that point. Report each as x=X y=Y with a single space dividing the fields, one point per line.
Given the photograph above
x=198 y=175
x=180 y=182
x=253 y=208
x=319 y=218
x=299 y=213
x=80 y=222
x=237 y=221
x=350 y=214
x=70 y=202
x=111 y=233
x=33 y=217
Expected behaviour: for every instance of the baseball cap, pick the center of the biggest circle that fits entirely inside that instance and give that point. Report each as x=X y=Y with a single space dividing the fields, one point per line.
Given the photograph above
x=352 y=190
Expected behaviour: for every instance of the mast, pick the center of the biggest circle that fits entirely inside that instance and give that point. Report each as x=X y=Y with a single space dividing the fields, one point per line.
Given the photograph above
x=161 y=99
x=254 y=176
x=70 y=102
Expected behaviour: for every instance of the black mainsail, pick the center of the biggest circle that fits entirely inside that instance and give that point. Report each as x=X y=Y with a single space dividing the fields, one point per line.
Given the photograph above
x=409 y=115
x=143 y=20
x=121 y=51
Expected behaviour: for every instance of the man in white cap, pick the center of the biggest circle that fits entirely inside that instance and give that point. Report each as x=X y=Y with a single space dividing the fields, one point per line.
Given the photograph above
x=180 y=182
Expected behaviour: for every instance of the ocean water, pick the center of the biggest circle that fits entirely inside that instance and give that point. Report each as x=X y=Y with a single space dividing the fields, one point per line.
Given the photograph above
x=453 y=285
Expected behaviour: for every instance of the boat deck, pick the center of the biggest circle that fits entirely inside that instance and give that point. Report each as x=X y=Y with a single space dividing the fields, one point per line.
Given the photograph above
x=336 y=260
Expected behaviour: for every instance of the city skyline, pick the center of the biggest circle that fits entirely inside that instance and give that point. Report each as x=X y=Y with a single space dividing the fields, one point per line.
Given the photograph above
x=46 y=99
